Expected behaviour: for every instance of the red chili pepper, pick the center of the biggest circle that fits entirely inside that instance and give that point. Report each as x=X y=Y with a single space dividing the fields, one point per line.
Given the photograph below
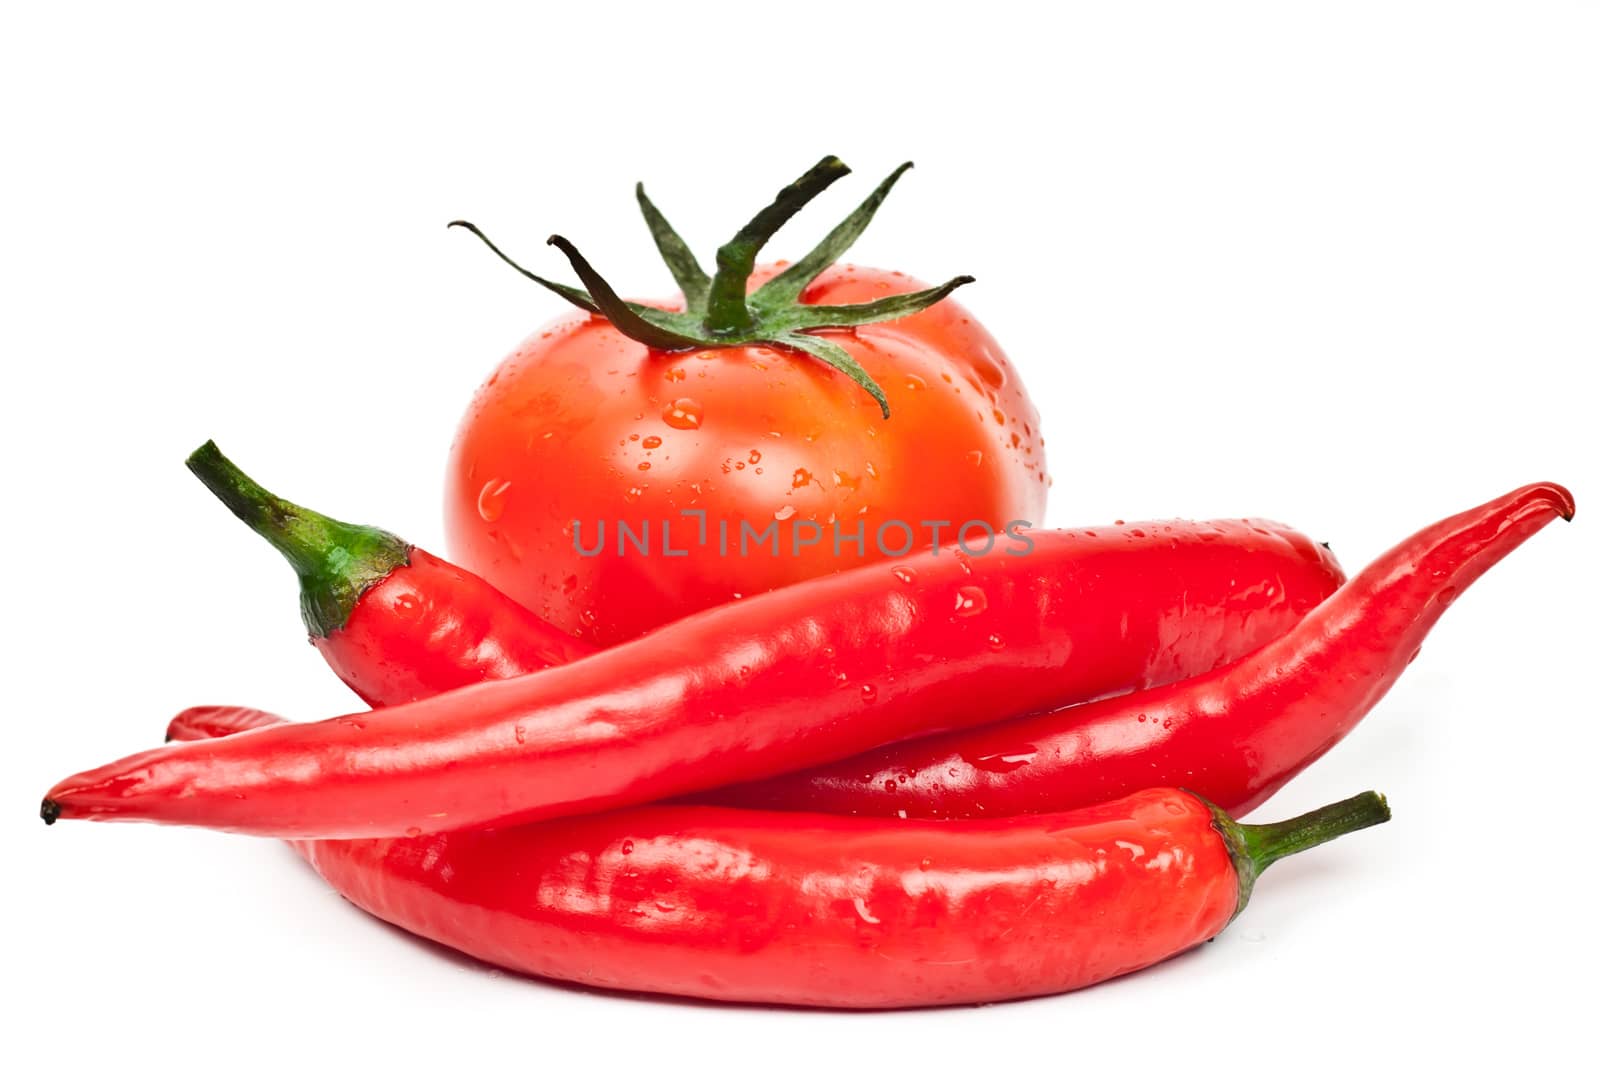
x=394 y=622
x=1236 y=734
x=788 y=679
x=828 y=911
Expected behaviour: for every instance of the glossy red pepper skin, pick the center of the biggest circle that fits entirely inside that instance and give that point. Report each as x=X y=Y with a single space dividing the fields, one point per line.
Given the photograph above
x=394 y=622
x=808 y=909
x=788 y=679
x=811 y=909
x=430 y=627
x=1234 y=735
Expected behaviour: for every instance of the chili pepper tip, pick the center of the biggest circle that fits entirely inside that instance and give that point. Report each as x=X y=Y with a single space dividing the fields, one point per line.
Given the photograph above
x=1566 y=503
x=49 y=811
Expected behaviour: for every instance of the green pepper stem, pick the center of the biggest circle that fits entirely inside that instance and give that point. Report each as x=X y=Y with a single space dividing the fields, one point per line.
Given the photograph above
x=1268 y=843
x=287 y=527
x=1254 y=848
x=336 y=561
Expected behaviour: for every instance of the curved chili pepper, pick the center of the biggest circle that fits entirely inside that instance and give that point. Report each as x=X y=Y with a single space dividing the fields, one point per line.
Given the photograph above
x=788 y=679
x=394 y=622
x=829 y=911
x=1236 y=734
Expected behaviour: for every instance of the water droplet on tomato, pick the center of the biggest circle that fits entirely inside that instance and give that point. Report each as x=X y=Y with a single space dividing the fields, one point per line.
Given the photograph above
x=755 y=457
x=869 y=693
x=522 y=734
x=406 y=604
x=644 y=465
x=683 y=414
x=925 y=864
x=904 y=573
x=627 y=848
x=785 y=512
x=970 y=600
x=801 y=477
x=413 y=831
x=997 y=643
x=975 y=457
x=651 y=442
x=915 y=382
x=492 y=499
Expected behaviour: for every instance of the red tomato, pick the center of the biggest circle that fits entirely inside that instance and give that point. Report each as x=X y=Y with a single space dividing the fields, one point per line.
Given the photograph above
x=581 y=423
x=611 y=486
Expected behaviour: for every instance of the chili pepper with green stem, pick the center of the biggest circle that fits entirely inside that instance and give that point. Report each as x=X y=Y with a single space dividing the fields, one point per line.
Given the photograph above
x=396 y=633
x=820 y=910
x=394 y=622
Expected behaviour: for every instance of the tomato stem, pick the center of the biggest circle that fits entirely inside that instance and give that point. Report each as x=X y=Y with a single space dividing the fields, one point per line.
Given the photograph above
x=719 y=311
x=675 y=252
x=336 y=561
x=726 y=309
x=785 y=289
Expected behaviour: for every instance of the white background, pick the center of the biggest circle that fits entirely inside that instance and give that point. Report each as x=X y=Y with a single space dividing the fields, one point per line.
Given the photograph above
x=1333 y=264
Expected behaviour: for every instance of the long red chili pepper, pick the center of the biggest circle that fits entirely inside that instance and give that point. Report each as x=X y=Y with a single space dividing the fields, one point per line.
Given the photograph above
x=827 y=911
x=394 y=622
x=788 y=679
x=1235 y=735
